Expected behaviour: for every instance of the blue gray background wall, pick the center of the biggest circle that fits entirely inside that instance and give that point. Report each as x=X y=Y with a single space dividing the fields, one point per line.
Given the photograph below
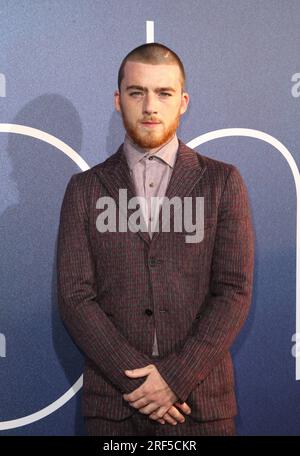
x=58 y=69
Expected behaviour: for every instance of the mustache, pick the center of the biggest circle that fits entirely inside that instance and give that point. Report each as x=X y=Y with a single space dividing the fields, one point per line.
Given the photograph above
x=151 y=119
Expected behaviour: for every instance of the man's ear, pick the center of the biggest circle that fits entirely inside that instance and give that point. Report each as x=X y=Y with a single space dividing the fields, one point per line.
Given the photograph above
x=117 y=101
x=184 y=102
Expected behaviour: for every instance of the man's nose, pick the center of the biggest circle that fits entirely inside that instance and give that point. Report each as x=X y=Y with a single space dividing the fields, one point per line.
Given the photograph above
x=149 y=105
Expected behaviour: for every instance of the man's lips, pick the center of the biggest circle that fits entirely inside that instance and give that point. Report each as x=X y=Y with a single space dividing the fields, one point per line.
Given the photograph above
x=150 y=123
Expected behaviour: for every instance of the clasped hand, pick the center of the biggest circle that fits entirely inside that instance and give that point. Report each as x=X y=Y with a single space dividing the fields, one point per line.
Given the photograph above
x=154 y=397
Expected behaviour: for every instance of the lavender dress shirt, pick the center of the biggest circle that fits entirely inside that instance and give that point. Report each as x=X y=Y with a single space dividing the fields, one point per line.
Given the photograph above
x=151 y=171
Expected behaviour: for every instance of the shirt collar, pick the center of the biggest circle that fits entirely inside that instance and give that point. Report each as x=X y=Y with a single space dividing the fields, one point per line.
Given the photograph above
x=166 y=153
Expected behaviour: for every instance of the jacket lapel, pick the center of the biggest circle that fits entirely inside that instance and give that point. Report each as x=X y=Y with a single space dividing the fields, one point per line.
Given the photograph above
x=114 y=173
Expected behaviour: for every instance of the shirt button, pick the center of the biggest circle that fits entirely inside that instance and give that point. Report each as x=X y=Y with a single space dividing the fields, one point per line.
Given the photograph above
x=151 y=184
x=148 y=312
x=150 y=158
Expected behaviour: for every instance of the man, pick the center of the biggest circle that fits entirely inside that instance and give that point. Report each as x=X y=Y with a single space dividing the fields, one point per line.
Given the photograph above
x=155 y=315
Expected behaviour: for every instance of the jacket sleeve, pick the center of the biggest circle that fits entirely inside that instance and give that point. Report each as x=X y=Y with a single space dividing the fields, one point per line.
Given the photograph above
x=228 y=301
x=86 y=322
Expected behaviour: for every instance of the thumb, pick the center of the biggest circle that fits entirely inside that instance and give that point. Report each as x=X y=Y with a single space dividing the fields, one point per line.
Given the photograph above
x=138 y=372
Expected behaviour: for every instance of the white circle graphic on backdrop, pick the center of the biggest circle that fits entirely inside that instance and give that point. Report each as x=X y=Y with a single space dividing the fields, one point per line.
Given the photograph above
x=206 y=137
x=67 y=150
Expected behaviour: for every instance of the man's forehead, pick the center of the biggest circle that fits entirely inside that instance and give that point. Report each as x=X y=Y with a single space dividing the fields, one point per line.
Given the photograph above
x=164 y=74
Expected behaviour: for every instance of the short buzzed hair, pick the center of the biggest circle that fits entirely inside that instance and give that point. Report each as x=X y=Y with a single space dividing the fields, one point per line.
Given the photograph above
x=155 y=54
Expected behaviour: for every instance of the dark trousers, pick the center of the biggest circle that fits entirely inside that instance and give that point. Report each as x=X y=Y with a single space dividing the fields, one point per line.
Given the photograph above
x=139 y=424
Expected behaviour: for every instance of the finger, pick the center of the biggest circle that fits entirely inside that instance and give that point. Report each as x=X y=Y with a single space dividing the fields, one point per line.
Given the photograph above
x=160 y=420
x=158 y=413
x=168 y=418
x=135 y=395
x=139 y=403
x=151 y=407
x=183 y=407
x=141 y=372
x=176 y=415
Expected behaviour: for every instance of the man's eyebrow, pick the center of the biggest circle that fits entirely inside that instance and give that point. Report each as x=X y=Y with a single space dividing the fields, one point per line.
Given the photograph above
x=135 y=87
x=144 y=89
x=165 y=89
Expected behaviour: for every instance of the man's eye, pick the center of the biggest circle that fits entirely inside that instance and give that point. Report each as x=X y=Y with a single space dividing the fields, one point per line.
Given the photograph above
x=136 y=93
x=165 y=94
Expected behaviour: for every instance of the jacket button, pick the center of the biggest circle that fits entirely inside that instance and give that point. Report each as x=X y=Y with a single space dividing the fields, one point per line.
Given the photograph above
x=152 y=261
x=148 y=312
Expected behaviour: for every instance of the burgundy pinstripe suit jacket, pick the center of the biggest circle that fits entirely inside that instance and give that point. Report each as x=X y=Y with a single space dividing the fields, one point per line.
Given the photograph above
x=115 y=287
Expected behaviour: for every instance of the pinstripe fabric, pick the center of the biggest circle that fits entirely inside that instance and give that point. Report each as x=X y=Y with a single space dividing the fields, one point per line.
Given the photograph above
x=139 y=424
x=199 y=293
